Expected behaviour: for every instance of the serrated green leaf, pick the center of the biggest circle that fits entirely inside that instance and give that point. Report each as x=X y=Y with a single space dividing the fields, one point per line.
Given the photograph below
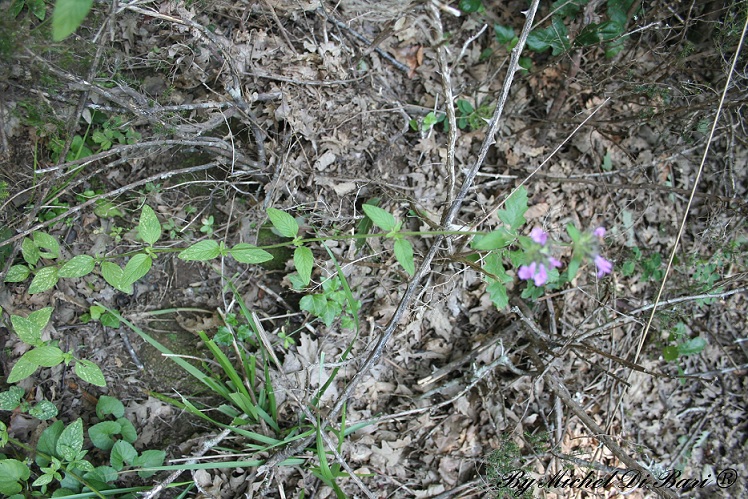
x=30 y=251
x=149 y=228
x=494 y=266
x=149 y=459
x=78 y=266
x=303 y=261
x=90 y=372
x=67 y=16
x=284 y=223
x=514 y=210
x=17 y=273
x=247 y=253
x=44 y=410
x=497 y=292
x=44 y=279
x=26 y=329
x=137 y=267
x=404 y=255
x=39 y=319
x=122 y=452
x=107 y=406
x=499 y=238
x=101 y=434
x=381 y=218
x=114 y=275
x=45 y=356
x=201 y=251
x=70 y=441
x=47 y=242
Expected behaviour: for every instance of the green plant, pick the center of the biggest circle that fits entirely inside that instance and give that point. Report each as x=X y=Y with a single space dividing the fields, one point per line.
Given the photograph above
x=207 y=225
x=67 y=16
x=427 y=123
x=46 y=353
x=470 y=117
x=681 y=345
x=505 y=474
x=59 y=456
x=331 y=304
x=36 y=7
x=650 y=267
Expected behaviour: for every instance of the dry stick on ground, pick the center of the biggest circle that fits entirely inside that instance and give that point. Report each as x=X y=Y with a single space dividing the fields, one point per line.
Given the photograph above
x=424 y=268
x=441 y=53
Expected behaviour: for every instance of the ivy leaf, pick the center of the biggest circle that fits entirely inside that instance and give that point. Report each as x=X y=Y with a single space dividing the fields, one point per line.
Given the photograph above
x=90 y=372
x=49 y=243
x=22 y=370
x=114 y=275
x=303 y=261
x=381 y=218
x=404 y=255
x=284 y=223
x=247 y=253
x=554 y=36
x=78 y=266
x=515 y=207
x=30 y=251
x=17 y=273
x=149 y=228
x=45 y=356
x=70 y=442
x=201 y=251
x=44 y=279
x=67 y=16
x=137 y=267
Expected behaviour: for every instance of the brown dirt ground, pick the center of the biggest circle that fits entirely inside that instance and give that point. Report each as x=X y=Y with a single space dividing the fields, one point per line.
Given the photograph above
x=333 y=116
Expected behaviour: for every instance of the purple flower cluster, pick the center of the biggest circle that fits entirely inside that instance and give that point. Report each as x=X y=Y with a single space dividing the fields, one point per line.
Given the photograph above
x=542 y=262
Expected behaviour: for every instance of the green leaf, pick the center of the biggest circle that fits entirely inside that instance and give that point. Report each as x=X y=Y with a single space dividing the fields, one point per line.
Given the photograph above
x=67 y=16
x=11 y=399
x=573 y=232
x=26 y=329
x=381 y=218
x=122 y=452
x=16 y=7
x=404 y=255
x=595 y=33
x=149 y=227
x=38 y=8
x=284 y=223
x=499 y=238
x=573 y=267
x=40 y=318
x=497 y=292
x=101 y=434
x=504 y=34
x=201 y=251
x=247 y=253
x=45 y=356
x=554 y=36
x=568 y=8
x=88 y=371
x=114 y=275
x=692 y=346
x=365 y=224
x=670 y=353
x=49 y=243
x=109 y=406
x=43 y=410
x=303 y=261
x=494 y=266
x=107 y=209
x=12 y=472
x=137 y=267
x=70 y=442
x=514 y=210
x=30 y=251
x=109 y=320
x=618 y=10
x=129 y=434
x=17 y=273
x=44 y=279
x=470 y=5
x=48 y=443
x=78 y=266
x=149 y=459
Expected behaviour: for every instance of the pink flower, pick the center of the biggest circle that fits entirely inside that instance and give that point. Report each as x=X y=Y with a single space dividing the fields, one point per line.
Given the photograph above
x=599 y=232
x=535 y=271
x=603 y=266
x=539 y=236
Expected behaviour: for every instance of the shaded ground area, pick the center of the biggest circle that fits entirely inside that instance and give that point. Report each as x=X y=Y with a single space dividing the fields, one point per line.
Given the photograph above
x=223 y=109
